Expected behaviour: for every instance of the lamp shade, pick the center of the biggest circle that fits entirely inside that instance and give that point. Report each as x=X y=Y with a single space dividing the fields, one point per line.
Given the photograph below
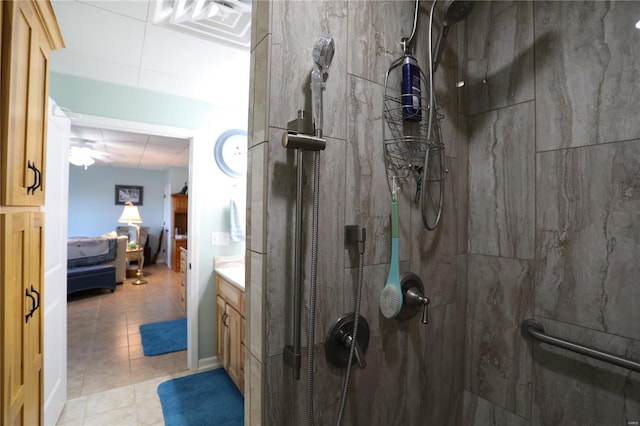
x=130 y=214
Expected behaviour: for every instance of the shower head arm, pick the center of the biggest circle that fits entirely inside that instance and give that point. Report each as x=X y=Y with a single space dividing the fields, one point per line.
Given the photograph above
x=440 y=46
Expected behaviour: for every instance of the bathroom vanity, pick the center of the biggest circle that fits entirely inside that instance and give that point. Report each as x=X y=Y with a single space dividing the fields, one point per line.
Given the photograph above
x=230 y=322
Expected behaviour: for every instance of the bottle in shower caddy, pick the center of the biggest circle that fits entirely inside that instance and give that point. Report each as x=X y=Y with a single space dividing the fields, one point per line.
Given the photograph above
x=411 y=93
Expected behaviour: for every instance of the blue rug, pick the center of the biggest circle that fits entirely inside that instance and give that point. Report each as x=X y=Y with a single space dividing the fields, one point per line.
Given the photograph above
x=202 y=399
x=164 y=337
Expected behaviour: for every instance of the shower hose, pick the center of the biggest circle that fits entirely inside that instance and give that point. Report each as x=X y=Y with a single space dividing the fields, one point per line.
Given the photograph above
x=312 y=290
x=312 y=304
x=347 y=372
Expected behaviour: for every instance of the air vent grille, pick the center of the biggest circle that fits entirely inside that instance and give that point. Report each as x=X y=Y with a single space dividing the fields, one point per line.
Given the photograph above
x=226 y=20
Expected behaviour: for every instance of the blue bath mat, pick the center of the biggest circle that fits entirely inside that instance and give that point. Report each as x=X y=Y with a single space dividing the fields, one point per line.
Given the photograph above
x=202 y=399
x=164 y=337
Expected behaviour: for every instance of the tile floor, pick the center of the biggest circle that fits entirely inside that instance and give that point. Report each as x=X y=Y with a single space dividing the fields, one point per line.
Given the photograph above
x=110 y=381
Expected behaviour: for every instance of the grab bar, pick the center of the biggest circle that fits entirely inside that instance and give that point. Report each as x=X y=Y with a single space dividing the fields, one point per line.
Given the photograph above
x=535 y=330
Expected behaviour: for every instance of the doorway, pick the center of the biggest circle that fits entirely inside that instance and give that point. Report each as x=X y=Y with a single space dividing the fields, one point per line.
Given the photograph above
x=104 y=347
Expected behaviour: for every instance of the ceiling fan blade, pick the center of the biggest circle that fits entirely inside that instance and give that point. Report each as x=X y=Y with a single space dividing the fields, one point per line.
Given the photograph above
x=103 y=159
x=103 y=154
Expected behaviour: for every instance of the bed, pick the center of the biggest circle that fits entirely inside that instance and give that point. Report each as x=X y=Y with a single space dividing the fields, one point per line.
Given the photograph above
x=95 y=262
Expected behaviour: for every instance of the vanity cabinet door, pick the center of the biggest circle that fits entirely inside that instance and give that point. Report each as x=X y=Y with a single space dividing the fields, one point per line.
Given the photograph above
x=235 y=325
x=230 y=331
x=222 y=335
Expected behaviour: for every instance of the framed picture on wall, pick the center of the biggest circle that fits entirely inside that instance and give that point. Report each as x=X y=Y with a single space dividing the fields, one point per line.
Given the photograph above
x=125 y=193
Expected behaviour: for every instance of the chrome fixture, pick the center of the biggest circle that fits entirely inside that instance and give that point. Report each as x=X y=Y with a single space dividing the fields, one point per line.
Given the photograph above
x=340 y=340
x=348 y=338
x=454 y=12
x=413 y=299
x=323 y=51
x=298 y=137
x=535 y=330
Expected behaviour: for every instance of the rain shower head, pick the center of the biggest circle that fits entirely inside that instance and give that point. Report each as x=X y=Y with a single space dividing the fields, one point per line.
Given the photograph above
x=454 y=12
x=323 y=50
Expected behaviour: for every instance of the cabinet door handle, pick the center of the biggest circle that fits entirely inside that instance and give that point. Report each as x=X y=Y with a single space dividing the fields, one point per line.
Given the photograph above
x=38 y=178
x=33 y=301
x=33 y=290
x=32 y=188
x=224 y=319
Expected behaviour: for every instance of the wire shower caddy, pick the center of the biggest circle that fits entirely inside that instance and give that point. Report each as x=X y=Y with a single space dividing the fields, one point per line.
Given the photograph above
x=409 y=148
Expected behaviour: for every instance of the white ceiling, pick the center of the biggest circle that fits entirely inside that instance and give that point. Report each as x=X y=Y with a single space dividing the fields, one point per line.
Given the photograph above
x=135 y=150
x=137 y=43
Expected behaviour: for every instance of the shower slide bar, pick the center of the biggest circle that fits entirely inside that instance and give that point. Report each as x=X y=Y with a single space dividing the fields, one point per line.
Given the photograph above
x=535 y=330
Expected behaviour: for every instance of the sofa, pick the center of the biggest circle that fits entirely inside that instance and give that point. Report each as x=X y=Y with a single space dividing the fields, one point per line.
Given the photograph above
x=96 y=262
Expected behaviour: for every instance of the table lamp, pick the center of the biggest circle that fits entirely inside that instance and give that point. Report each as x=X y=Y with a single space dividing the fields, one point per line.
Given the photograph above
x=131 y=216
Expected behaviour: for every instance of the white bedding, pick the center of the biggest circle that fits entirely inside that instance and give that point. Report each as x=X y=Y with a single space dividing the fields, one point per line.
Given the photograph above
x=81 y=247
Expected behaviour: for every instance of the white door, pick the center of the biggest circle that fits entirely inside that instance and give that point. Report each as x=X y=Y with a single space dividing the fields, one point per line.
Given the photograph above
x=55 y=265
x=167 y=224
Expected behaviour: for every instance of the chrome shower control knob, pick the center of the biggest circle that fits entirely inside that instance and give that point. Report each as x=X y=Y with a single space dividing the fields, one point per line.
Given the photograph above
x=415 y=298
x=340 y=338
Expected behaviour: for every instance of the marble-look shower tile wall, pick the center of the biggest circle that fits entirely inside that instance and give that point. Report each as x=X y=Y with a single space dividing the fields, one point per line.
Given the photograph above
x=414 y=373
x=554 y=210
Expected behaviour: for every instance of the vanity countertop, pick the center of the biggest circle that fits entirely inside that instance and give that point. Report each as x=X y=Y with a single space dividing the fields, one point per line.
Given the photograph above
x=232 y=274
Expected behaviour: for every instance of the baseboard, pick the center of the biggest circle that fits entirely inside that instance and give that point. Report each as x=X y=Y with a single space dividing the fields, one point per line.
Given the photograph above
x=209 y=363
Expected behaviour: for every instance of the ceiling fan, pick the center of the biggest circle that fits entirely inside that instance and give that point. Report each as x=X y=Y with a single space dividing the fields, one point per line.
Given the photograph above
x=82 y=152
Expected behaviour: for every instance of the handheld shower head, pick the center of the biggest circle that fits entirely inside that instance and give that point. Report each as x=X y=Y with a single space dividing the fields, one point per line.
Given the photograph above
x=323 y=50
x=454 y=12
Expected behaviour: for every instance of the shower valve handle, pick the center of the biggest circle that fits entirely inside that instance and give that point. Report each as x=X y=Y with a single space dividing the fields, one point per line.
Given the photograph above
x=415 y=298
x=360 y=358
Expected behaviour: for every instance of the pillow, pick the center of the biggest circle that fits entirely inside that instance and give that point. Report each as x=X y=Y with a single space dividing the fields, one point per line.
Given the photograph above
x=112 y=234
x=122 y=230
x=144 y=233
x=130 y=231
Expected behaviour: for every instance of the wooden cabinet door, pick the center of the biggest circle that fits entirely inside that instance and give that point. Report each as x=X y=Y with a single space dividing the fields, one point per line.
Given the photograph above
x=180 y=203
x=234 y=321
x=25 y=88
x=222 y=336
x=34 y=403
x=177 y=244
x=21 y=242
x=14 y=231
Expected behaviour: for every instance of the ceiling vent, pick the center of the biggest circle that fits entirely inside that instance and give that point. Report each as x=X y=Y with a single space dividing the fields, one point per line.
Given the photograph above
x=226 y=20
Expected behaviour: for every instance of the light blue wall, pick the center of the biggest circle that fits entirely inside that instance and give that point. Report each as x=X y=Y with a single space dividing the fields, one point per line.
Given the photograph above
x=211 y=214
x=102 y=99
x=92 y=208
x=177 y=178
